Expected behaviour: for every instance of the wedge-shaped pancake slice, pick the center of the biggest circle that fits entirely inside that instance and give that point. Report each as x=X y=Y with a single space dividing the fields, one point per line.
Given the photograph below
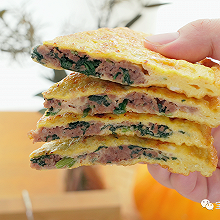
x=123 y=150
x=161 y=128
x=119 y=55
x=85 y=95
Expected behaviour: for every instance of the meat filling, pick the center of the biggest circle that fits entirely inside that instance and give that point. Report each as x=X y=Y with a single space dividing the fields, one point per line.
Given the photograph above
x=100 y=104
x=83 y=128
x=73 y=130
x=123 y=72
x=103 y=155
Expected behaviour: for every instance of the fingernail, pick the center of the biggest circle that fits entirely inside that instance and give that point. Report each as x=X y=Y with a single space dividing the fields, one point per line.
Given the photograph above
x=161 y=39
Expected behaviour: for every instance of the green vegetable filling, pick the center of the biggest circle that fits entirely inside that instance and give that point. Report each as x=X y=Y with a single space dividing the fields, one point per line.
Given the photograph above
x=100 y=147
x=87 y=67
x=65 y=162
x=100 y=99
x=86 y=112
x=163 y=131
x=113 y=128
x=83 y=65
x=40 y=160
x=35 y=55
x=53 y=137
x=50 y=111
x=162 y=109
x=106 y=101
x=82 y=124
x=135 y=152
x=126 y=77
x=74 y=52
x=157 y=155
x=121 y=109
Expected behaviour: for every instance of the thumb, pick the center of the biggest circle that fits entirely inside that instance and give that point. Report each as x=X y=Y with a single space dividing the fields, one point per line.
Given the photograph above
x=193 y=42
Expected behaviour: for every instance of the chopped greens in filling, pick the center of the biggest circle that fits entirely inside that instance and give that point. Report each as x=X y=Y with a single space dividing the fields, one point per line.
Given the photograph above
x=121 y=109
x=40 y=160
x=50 y=112
x=99 y=148
x=147 y=152
x=65 y=62
x=104 y=100
x=113 y=128
x=126 y=77
x=82 y=124
x=65 y=162
x=161 y=107
x=100 y=99
x=87 y=67
x=35 y=55
x=83 y=65
x=110 y=105
x=86 y=112
x=74 y=52
x=53 y=137
x=160 y=131
x=81 y=128
x=104 y=154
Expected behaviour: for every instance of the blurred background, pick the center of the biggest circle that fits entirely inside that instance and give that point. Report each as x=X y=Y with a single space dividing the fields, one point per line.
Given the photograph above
x=26 y=23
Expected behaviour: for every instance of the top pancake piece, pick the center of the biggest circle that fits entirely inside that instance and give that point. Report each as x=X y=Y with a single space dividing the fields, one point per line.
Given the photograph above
x=119 y=55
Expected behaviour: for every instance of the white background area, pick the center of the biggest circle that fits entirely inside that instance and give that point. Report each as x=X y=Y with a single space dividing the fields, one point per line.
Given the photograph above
x=20 y=81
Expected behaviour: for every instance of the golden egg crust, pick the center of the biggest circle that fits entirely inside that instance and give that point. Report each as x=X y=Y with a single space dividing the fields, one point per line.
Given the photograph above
x=70 y=125
x=119 y=55
x=75 y=92
x=77 y=152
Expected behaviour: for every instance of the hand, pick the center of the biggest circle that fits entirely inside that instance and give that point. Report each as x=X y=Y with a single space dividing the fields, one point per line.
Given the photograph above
x=193 y=42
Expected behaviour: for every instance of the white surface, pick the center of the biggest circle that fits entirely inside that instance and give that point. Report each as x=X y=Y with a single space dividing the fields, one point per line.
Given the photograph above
x=173 y=16
x=20 y=82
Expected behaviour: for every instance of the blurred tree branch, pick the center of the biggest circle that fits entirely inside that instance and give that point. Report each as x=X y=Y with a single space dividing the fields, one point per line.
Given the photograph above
x=105 y=10
x=18 y=32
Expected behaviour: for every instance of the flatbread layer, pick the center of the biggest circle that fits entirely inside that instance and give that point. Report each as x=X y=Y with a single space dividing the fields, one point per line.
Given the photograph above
x=119 y=55
x=81 y=94
x=70 y=125
x=123 y=150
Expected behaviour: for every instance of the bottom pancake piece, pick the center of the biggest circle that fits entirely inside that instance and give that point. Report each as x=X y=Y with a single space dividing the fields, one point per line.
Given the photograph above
x=124 y=150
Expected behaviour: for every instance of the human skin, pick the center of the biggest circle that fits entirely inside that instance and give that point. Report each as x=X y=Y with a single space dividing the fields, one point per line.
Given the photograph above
x=193 y=42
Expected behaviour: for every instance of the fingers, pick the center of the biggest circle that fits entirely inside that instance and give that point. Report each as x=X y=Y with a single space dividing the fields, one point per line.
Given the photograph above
x=213 y=186
x=193 y=42
x=193 y=186
x=161 y=175
x=216 y=136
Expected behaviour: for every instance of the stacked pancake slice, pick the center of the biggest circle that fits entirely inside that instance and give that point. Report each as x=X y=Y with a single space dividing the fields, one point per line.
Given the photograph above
x=125 y=104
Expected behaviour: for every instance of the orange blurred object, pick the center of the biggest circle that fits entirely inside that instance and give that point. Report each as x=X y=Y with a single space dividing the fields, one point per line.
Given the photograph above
x=155 y=201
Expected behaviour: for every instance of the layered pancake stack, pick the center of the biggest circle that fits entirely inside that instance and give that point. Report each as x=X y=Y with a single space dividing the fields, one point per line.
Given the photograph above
x=125 y=104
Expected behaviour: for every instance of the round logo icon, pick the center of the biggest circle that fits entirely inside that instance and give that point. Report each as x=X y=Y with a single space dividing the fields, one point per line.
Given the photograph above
x=205 y=203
